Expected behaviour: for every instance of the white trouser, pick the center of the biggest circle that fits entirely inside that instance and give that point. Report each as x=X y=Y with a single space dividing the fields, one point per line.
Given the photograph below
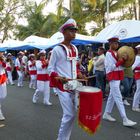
x=44 y=87
x=136 y=99
x=3 y=91
x=20 y=78
x=32 y=81
x=10 y=79
x=55 y=90
x=69 y=112
x=115 y=96
x=3 y=94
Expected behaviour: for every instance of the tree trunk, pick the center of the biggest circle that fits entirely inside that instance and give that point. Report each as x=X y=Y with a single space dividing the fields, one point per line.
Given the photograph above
x=139 y=9
x=70 y=3
x=135 y=10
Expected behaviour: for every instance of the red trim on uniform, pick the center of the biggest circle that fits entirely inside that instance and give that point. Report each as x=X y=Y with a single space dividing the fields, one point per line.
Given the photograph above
x=32 y=65
x=44 y=66
x=115 y=75
x=137 y=68
x=3 y=78
x=66 y=26
x=32 y=72
x=56 y=83
x=78 y=69
x=43 y=77
x=8 y=69
x=119 y=63
x=4 y=64
x=137 y=75
x=44 y=63
x=18 y=68
x=113 y=54
x=73 y=52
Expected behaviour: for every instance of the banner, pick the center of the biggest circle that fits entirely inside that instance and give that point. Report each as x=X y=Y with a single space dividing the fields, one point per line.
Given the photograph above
x=90 y=111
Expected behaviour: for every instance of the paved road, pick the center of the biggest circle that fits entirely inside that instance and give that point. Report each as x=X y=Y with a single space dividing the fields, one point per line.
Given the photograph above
x=28 y=121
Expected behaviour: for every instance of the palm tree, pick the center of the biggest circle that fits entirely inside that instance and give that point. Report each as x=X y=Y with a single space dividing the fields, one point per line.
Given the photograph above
x=98 y=14
x=38 y=24
x=9 y=11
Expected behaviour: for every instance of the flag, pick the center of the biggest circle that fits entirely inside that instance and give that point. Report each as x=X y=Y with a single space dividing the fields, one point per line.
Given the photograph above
x=90 y=110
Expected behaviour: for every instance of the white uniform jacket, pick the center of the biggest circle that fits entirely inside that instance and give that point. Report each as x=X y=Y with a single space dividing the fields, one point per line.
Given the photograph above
x=112 y=71
x=2 y=72
x=20 y=66
x=42 y=71
x=31 y=68
x=60 y=66
x=136 y=67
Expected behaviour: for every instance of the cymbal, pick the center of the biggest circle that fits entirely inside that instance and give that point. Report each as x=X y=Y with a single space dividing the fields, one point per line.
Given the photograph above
x=130 y=53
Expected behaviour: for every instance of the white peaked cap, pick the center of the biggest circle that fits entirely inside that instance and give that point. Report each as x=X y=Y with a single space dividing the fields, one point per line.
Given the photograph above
x=21 y=53
x=30 y=55
x=138 y=46
x=9 y=54
x=42 y=51
x=69 y=24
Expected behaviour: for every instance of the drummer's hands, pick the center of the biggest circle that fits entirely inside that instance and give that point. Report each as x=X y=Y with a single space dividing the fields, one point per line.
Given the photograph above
x=81 y=76
x=62 y=79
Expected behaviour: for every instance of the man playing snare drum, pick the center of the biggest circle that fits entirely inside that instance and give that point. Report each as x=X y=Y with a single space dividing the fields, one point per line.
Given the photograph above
x=62 y=67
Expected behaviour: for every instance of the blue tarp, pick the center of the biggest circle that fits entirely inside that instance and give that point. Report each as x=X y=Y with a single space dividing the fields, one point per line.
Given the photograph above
x=83 y=42
x=130 y=40
x=3 y=49
x=75 y=42
x=29 y=47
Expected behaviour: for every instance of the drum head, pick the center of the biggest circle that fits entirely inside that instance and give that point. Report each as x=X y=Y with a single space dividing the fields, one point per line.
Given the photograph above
x=88 y=89
x=130 y=53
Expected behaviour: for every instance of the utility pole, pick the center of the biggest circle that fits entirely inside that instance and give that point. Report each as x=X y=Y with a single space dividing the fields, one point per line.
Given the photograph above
x=107 y=21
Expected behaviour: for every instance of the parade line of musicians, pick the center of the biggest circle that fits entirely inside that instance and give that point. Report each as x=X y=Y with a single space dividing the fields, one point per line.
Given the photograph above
x=43 y=69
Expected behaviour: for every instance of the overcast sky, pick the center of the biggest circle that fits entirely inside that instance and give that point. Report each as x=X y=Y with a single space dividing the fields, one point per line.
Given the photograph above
x=51 y=7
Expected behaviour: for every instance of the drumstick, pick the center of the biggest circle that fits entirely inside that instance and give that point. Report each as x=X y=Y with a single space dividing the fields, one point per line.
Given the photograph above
x=89 y=77
x=86 y=79
x=72 y=79
x=92 y=76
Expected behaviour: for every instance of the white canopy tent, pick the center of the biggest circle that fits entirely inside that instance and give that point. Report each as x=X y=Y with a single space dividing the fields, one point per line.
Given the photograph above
x=81 y=39
x=125 y=29
x=36 y=40
x=10 y=44
x=32 y=42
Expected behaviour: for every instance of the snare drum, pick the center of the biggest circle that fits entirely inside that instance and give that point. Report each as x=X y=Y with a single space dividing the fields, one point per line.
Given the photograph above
x=90 y=107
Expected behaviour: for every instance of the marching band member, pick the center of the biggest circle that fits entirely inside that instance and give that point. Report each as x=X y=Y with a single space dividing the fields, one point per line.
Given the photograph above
x=9 y=68
x=20 y=67
x=136 y=68
x=61 y=68
x=114 y=73
x=3 y=88
x=32 y=71
x=43 y=80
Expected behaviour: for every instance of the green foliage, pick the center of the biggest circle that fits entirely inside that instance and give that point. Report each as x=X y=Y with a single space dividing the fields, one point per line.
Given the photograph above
x=47 y=25
x=9 y=13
